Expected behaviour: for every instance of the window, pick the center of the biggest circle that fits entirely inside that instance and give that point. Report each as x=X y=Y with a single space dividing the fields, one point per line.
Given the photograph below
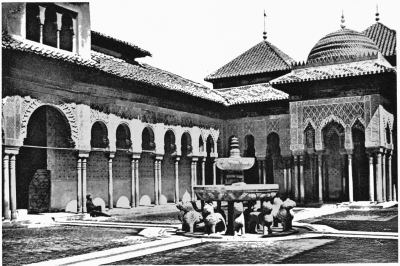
x=51 y=25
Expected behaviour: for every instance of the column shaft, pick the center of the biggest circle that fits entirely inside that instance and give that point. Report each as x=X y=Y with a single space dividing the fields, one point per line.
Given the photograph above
x=384 y=176
x=350 y=165
x=259 y=172
x=289 y=182
x=110 y=185
x=84 y=185
x=159 y=182
x=285 y=178
x=264 y=163
x=371 y=179
x=390 y=185
x=379 y=197
x=79 y=185
x=133 y=182
x=214 y=173
x=203 y=171
x=13 y=188
x=6 y=187
x=320 y=197
x=155 y=182
x=137 y=195
x=177 y=180
x=302 y=194
x=296 y=178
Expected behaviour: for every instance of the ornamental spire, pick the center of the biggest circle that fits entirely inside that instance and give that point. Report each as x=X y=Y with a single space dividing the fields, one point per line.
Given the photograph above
x=264 y=33
x=377 y=13
x=342 y=25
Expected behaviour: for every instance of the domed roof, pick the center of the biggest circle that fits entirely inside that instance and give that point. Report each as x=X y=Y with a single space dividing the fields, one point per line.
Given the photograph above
x=343 y=43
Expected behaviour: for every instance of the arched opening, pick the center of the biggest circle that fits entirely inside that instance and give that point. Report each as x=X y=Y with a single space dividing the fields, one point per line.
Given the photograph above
x=185 y=165
x=388 y=134
x=124 y=141
x=335 y=165
x=122 y=172
x=209 y=171
x=47 y=156
x=50 y=27
x=229 y=147
x=66 y=33
x=97 y=163
x=146 y=164
x=220 y=178
x=32 y=22
x=250 y=175
x=168 y=167
x=99 y=136
x=273 y=159
x=360 y=164
x=310 y=165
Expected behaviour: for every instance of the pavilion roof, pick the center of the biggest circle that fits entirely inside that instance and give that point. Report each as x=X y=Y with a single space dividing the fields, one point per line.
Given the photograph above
x=261 y=58
x=384 y=37
x=332 y=71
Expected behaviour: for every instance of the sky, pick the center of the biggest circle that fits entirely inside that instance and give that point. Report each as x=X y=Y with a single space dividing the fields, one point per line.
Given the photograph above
x=194 y=38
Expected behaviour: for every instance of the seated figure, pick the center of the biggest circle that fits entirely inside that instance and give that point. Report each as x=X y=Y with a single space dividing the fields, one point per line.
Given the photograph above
x=93 y=209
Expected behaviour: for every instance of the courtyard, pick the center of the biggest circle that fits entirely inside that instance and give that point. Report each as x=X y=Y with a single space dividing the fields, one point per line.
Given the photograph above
x=378 y=230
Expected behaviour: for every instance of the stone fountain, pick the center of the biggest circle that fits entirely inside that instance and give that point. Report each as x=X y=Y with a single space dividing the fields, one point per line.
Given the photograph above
x=235 y=191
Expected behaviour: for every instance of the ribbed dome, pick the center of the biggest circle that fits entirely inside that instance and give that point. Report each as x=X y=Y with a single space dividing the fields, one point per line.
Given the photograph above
x=344 y=42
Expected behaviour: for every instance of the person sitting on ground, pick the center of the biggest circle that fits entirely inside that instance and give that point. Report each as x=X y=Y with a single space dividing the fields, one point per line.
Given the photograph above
x=93 y=209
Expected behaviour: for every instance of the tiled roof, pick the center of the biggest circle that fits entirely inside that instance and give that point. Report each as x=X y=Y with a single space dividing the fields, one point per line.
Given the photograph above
x=262 y=58
x=341 y=43
x=384 y=38
x=103 y=40
x=359 y=68
x=149 y=74
x=251 y=94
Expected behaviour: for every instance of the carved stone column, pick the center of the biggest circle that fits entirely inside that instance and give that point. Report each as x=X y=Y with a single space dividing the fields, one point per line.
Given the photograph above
x=302 y=191
x=320 y=191
x=296 y=177
x=371 y=178
x=194 y=176
x=259 y=171
x=214 y=172
x=13 y=188
x=159 y=181
x=177 y=179
x=384 y=176
x=84 y=184
x=74 y=35
x=289 y=181
x=156 y=200
x=350 y=165
x=42 y=11
x=79 y=185
x=6 y=187
x=390 y=181
x=110 y=181
x=137 y=195
x=59 y=24
x=135 y=181
x=379 y=188
x=203 y=171
x=264 y=163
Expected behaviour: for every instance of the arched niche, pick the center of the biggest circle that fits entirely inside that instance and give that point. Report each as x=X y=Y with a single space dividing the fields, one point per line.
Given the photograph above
x=50 y=27
x=99 y=135
x=66 y=33
x=273 y=157
x=201 y=144
x=185 y=164
x=123 y=136
x=360 y=163
x=250 y=175
x=32 y=22
x=169 y=142
x=148 y=142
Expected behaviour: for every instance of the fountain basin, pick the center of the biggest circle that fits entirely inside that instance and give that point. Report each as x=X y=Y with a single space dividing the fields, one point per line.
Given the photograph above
x=234 y=192
x=234 y=164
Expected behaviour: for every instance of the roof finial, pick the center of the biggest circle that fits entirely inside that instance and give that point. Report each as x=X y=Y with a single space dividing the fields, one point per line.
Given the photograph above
x=342 y=25
x=377 y=13
x=264 y=33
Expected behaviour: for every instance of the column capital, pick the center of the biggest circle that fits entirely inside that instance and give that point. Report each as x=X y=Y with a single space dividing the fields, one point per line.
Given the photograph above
x=159 y=157
x=374 y=150
x=111 y=155
x=177 y=158
x=83 y=153
x=135 y=155
x=14 y=150
x=260 y=158
x=195 y=159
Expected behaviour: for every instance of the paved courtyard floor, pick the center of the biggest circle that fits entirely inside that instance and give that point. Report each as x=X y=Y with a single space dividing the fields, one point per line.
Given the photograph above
x=116 y=241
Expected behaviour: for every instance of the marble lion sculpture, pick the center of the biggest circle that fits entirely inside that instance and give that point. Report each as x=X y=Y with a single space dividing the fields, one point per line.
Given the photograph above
x=188 y=216
x=214 y=222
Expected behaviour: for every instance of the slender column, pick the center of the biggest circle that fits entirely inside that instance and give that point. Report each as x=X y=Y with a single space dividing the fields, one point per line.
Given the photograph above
x=295 y=179
x=259 y=172
x=6 y=187
x=133 y=182
x=41 y=22
x=371 y=178
x=79 y=187
x=155 y=182
x=264 y=163
x=384 y=176
x=214 y=172
x=302 y=196
x=13 y=188
x=289 y=188
x=343 y=174
x=379 y=177
x=350 y=165
x=177 y=179
x=203 y=171
x=284 y=178
x=390 y=185
x=110 y=182
x=59 y=16
x=159 y=182
x=320 y=197
x=84 y=185
x=137 y=195
x=74 y=50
